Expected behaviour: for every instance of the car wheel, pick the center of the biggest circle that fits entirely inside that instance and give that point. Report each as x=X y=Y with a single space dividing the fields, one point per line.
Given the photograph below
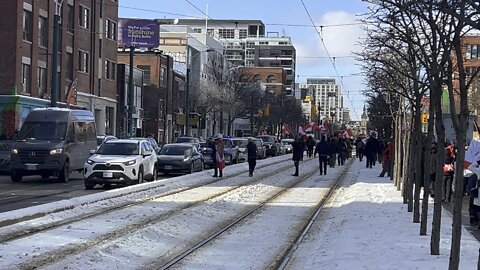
x=203 y=166
x=89 y=185
x=192 y=168
x=64 y=175
x=155 y=173
x=16 y=176
x=141 y=179
x=45 y=175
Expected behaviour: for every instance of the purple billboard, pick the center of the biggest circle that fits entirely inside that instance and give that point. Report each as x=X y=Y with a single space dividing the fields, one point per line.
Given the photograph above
x=138 y=33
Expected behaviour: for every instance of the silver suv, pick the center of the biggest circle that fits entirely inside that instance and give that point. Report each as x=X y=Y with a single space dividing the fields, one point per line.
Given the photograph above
x=121 y=162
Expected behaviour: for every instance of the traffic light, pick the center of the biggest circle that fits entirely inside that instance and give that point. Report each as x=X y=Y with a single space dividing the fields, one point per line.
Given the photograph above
x=424 y=118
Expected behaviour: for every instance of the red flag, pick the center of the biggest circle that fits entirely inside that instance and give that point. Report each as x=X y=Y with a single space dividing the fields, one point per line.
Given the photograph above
x=71 y=97
x=285 y=128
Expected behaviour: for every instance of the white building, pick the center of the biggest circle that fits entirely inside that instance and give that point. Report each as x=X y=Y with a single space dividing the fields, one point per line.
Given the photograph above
x=328 y=98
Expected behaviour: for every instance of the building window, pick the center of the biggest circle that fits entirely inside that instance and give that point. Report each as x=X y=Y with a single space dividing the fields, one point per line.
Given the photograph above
x=257 y=78
x=163 y=76
x=69 y=67
x=197 y=30
x=226 y=33
x=27 y=25
x=42 y=81
x=26 y=78
x=84 y=17
x=83 y=61
x=211 y=32
x=472 y=52
x=100 y=46
x=111 y=30
x=146 y=74
x=42 y=32
x=271 y=79
x=70 y=19
x=242 y=33
x=110 y=70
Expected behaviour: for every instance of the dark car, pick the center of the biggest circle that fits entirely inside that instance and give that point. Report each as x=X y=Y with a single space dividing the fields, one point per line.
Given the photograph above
x=270 y=144
x=179 y=157
x=5 y=151
x=207 y=154
x=192 y=140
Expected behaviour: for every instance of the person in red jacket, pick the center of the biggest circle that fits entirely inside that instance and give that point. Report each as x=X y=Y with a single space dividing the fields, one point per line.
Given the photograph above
x=387 y=159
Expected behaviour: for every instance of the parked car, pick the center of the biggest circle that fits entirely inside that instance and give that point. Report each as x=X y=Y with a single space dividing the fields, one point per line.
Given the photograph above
x=273 y=148
x=261 y=149
x=53 y=141
x=207 y=155
x=192 y=140
x=231 y=151
x=153 y=143
x=121 y=162
x=242 y=148
x=287 y=145
x=180 y=157
x=5 y=152
x=103 y=138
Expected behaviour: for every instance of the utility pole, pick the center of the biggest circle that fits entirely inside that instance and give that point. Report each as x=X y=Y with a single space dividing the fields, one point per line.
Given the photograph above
x=56 y=30
x=251 y=115
x=187 y=103
x=131 y=94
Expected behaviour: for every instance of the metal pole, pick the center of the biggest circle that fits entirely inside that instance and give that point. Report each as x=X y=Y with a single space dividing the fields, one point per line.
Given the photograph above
x=56 y=30
x=251 y=116
x=130 y=93
x=187 y=104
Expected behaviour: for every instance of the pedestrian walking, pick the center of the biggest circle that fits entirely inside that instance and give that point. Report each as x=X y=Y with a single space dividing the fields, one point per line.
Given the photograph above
x=342 y=152
x=310 y=146
x=333 y=152
x=252 y=156
x=298 y=149
x=448 y=171
x=387 y=160
x=219 y=155
x=359 y=148
x=433 y=168
x=371 y=150
x=324 y=152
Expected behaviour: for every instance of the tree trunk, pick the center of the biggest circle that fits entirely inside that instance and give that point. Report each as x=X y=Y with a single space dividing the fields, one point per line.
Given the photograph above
x=411 y=167
x=426 y=176
x=437 y=207
x=418 y=149
x=406 y=160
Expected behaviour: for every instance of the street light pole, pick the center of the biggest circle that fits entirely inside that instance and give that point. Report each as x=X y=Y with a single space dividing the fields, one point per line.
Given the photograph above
x=56 y=30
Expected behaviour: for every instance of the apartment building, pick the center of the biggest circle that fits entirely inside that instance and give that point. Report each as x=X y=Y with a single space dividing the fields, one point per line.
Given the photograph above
x=328 y=98
x=87 y=56
x=248 y=44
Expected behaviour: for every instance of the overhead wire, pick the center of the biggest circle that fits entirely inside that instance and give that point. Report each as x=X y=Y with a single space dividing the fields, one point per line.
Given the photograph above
x=332 y=60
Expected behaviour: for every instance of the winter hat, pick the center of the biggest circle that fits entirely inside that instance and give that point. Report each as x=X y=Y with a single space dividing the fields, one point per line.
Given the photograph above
x=219 y=136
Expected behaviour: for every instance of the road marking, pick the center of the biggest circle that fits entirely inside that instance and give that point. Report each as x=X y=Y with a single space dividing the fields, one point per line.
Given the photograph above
x=6 y=198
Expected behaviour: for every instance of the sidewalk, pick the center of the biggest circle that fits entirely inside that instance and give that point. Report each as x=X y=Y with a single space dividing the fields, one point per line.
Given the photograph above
x=367 y=226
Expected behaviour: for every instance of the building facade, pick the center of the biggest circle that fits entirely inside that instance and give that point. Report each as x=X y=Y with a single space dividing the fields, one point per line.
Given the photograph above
x=123 y=125
x=87 y=54
x=272 y=78
x=158 y=90
x=248 y=44
x=328 y=98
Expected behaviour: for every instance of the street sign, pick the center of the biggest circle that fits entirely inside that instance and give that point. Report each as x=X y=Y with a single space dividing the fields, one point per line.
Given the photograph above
x=424 y=118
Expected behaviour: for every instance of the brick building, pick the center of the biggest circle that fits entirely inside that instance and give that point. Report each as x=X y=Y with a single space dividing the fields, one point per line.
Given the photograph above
x=123 y=79
x=87 y=55
x=273 y=78
x=158 y=103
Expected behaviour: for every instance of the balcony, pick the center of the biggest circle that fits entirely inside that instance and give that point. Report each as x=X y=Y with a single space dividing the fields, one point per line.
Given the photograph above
x=233 y=57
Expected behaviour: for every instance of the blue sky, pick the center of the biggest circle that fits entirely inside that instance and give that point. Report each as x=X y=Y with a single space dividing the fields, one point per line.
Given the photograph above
x=340 y=41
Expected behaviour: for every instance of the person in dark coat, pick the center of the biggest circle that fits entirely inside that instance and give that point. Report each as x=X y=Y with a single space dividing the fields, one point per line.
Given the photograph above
x=323 y=150
x=298 y=149
x=371 y=151
x=342 y=151
x=310 y=145
x=449 y=160
x=252 y=156
x=333 y=152
x=211 y=145
x=359 y=148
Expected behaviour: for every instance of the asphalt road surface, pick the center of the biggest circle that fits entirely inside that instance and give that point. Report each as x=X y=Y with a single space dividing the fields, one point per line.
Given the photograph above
x=33 y=190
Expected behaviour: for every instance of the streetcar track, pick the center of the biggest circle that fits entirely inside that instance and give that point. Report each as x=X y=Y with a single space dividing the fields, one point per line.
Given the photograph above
x=284 y=259
x=71 y=250
x=229 y=225
x=25 y=232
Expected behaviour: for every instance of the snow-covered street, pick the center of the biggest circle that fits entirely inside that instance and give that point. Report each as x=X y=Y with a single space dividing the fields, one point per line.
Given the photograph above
x=364 y=226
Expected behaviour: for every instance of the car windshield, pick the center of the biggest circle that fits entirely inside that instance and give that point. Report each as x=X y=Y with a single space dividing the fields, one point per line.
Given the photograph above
x=43 y=131
x=240 y=143
x=268 y=139
x=258 y=143
x=175 y=150
x=119 y=149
